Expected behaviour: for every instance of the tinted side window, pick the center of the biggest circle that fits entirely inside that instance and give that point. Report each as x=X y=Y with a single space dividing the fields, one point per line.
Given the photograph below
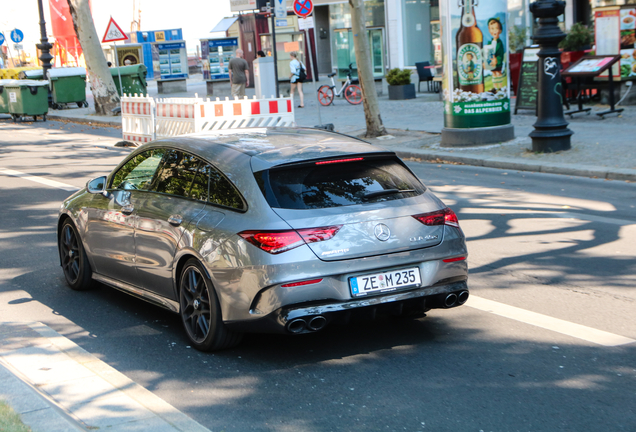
x=222 y=192
x=190 y=177
x=177 y=173
x=139 y=171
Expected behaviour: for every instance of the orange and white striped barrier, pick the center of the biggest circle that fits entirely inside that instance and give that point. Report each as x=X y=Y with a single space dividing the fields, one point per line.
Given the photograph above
x=176 y=116
x=180 y=116
x=138 y=118
x=241 y=113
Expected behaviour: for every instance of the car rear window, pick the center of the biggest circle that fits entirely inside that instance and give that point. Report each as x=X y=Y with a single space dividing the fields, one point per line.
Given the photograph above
x=327 y=184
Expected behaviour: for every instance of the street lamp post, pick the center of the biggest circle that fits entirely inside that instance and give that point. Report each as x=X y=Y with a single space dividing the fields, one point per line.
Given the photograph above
x=44 y=46
x=550 y=133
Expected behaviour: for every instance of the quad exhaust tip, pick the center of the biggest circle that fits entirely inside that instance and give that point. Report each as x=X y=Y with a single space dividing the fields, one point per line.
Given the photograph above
x=450 y=300
x=462 y=297
x=317 y=323
x=302 y=325
x=297 y=326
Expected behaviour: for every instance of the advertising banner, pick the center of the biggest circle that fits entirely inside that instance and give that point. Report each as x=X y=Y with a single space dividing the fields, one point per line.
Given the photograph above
x=216 y=55
x=475 y=60
x=628 y=43
x=129 y=55
x=63 y=31
x=607 y=36
x=170 y=60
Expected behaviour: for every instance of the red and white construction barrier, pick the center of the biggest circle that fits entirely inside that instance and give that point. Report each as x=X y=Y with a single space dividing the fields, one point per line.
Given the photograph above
x=176 y=116
x=180 y=116
x=138 y=118
x=241 y=113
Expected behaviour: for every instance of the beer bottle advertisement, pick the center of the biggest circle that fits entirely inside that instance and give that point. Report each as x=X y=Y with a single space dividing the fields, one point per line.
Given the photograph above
x=475 y=59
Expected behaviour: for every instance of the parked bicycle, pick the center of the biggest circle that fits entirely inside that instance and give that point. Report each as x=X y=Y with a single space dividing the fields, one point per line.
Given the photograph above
x=351 y=92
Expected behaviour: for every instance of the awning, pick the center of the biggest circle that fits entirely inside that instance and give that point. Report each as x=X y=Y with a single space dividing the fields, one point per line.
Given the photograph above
x=224 y=24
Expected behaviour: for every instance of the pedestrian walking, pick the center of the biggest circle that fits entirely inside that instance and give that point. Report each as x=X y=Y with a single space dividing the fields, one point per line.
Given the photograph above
x=239 y=74
x=298 y=75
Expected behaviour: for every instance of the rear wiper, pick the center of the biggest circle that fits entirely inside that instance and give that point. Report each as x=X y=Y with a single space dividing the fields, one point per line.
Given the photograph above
x=386 y=192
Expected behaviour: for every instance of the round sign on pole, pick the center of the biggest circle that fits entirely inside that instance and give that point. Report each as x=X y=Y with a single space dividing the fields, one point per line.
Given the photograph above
x=1 y=38
x=303 y=8
x=17 y=36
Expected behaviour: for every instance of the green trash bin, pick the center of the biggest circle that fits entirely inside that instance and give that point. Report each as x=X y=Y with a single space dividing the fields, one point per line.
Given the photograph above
x=133 y=79
x=68 y=86
x=28 y=98
x=36 y=74
x=4 y=95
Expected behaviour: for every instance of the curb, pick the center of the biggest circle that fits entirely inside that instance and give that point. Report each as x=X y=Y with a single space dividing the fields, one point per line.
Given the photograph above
x=35 y=409
x=57 y=386
x=85 y=120
x=590 y=171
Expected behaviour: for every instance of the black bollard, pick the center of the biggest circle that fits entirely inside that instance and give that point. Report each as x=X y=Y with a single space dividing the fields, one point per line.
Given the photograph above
x=551 y=131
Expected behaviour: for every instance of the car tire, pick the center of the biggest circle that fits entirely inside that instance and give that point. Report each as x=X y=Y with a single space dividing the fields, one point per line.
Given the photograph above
x=201 y=312
x=77 y=270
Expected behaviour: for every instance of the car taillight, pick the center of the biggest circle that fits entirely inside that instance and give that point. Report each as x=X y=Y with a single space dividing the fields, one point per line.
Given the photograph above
x=276 y=242
x=440 y=217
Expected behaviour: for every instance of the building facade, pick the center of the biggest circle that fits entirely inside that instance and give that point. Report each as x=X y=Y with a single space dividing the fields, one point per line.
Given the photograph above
x=400 y=32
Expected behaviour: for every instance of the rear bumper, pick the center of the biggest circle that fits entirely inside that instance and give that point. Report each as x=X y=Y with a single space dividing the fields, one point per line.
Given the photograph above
x=418 y=300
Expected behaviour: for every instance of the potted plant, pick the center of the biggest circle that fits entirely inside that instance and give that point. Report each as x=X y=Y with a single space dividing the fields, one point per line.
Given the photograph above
x=578 y=39
x=400 y=86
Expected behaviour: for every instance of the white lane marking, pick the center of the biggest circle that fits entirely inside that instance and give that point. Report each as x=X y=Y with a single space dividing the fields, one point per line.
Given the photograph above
x=41 y=180
x=549 y=323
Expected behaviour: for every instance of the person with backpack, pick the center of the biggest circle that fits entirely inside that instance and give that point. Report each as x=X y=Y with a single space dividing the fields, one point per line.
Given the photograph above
x=298 y=75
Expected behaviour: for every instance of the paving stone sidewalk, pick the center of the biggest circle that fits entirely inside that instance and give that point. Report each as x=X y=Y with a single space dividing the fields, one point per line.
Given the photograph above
x=604 y=148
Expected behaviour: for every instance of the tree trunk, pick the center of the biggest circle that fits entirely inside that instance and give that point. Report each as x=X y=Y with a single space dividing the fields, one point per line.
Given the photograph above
x=365 y=72
x=102 y=84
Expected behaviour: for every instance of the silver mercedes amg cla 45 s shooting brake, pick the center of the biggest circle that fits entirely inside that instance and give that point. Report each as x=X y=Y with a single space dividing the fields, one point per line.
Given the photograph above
x=265 y=230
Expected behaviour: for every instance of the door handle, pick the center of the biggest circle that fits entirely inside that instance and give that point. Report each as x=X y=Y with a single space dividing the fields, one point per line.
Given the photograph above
x=127 y=210
x=175 y=220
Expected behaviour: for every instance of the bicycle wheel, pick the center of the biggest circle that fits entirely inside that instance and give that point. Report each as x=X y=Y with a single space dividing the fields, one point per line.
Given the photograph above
x=353 y=94
x=325 y=95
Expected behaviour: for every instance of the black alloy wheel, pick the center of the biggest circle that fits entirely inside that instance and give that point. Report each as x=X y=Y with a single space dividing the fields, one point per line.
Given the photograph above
x=201 y=312
x=75 y=265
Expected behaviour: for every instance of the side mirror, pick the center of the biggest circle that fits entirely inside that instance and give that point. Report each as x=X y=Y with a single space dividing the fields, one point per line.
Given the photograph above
x=96 y=185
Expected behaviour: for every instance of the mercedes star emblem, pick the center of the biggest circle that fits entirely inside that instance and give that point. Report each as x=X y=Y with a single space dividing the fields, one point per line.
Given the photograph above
x=382 y=232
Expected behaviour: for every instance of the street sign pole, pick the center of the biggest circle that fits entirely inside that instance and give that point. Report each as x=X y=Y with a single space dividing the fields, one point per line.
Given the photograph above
x=118 y=71
x=311 y=66
x=113 y=34
x=274 y=48
x=10 y=55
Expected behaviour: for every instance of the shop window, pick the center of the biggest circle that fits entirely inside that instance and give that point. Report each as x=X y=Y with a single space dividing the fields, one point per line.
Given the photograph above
x=416 y=17
x=342 y=47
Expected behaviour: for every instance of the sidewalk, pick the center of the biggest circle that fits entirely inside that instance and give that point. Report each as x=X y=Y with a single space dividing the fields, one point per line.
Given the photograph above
x=600 y=148
x=56 y=386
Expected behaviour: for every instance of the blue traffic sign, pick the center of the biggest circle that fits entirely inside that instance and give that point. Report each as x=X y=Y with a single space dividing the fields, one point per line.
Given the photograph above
x=17 y=36
x=1 y=38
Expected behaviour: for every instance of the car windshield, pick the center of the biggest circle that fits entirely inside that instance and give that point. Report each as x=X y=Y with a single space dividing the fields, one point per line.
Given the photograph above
x=324 y=185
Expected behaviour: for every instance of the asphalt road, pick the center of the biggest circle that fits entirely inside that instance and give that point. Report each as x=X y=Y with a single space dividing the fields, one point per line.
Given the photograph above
x=543 y=344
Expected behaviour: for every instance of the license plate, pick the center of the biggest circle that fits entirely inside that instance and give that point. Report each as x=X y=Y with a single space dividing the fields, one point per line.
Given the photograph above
x=385 y=281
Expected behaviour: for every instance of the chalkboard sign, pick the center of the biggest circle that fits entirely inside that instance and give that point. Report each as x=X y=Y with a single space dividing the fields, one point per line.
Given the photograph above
x=528 y=80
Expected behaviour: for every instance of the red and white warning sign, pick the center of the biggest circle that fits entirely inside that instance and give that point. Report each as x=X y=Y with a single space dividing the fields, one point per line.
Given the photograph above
x=113 y=32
